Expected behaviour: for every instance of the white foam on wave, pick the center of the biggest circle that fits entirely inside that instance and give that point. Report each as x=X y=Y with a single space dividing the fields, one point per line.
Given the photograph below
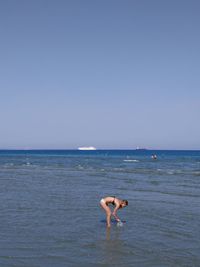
x=118 y=169
x=80 y=167
x=171 y=172
x=131 y=160
x=8 y=164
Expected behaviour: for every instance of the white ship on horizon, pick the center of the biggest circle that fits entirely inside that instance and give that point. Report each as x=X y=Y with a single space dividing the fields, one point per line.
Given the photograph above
x=87 y=148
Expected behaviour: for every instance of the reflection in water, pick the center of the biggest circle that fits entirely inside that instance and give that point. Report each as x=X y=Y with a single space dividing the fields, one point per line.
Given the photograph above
x=114 y=246
x=107 y=233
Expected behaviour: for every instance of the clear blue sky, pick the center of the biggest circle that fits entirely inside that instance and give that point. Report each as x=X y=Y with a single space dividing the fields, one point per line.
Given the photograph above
x=106 y=73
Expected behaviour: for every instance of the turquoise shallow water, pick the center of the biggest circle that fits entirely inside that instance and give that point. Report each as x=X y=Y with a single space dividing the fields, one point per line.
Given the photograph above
x=50 y=214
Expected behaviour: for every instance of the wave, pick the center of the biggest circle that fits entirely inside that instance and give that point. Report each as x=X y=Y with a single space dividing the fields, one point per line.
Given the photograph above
x=179 y=194
x=196 y=173
x=131 y=160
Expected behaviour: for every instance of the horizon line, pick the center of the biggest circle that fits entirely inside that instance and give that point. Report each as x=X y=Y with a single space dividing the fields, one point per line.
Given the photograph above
x=97 y=149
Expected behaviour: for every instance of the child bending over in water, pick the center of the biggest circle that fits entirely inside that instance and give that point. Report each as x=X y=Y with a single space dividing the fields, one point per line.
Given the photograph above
x=118 y=203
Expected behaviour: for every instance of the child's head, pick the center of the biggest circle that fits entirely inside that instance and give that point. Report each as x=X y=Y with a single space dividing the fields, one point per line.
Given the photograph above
x=124 y=203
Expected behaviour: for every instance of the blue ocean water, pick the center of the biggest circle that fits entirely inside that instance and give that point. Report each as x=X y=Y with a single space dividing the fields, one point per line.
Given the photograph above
x=50 y=213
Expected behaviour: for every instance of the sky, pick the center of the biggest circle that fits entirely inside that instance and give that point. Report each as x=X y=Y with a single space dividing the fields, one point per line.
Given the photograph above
x=105 y=73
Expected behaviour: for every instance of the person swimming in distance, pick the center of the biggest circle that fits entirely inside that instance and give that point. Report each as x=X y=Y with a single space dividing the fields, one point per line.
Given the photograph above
x=154 y=156
x=118 y=203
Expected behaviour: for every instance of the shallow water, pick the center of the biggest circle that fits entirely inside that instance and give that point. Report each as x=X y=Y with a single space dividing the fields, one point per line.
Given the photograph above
x=50 y=213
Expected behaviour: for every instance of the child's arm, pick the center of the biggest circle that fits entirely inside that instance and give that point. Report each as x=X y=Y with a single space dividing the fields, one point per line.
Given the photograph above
x=115 y=213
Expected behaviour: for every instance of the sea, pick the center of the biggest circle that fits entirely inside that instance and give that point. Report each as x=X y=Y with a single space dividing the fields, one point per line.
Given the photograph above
x=50 y=214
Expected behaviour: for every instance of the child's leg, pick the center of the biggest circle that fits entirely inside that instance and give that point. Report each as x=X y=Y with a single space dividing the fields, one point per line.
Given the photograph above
x=108 y=212
x=108 y=218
